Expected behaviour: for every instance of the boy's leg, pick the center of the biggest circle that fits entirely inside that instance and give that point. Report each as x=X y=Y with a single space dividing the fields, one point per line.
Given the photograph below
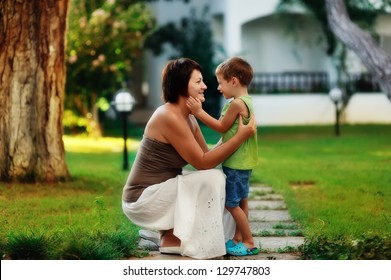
x=242 y=226
x=244 y=205
x=238 y=234
x=237 y=188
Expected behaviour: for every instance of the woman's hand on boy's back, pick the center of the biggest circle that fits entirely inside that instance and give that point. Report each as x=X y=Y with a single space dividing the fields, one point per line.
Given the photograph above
x=247 y=130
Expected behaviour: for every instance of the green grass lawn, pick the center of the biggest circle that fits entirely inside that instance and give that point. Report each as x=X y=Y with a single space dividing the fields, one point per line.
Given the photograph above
x=78 y=219
x=335 y=187
x=332 y=185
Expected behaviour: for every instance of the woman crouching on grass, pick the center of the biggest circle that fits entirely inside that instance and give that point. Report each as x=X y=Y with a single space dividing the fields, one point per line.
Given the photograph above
x=187 y=208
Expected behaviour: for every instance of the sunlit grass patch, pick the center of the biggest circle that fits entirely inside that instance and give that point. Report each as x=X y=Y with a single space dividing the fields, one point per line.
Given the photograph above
x=84 y=144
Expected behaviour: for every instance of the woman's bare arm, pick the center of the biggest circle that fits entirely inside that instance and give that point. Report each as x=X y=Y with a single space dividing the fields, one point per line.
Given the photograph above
x=182 y=139
x=221 y=125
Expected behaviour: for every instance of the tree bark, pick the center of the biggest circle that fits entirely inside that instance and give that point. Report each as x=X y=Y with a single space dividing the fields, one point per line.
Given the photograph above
x=376 y=60
x=32 y=86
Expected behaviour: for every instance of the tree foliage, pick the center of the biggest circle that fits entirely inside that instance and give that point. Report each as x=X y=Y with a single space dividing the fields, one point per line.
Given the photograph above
x=191 y=37
x=104 y=43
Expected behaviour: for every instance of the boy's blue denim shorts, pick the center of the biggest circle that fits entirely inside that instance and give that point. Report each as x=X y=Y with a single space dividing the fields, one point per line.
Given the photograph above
x=237 y=186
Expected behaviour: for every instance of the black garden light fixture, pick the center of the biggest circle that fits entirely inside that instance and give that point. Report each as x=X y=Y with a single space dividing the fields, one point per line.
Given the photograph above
x=124 y=103
x=336 y=96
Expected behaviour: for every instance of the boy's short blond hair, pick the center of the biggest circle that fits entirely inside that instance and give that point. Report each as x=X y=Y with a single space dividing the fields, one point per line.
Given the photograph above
x=236 y=67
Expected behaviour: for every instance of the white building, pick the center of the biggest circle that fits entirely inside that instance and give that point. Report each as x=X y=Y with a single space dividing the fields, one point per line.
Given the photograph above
x=280 y=46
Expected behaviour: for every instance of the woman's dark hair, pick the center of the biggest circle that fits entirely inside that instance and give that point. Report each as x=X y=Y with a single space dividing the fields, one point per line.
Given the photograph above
x=175 y=78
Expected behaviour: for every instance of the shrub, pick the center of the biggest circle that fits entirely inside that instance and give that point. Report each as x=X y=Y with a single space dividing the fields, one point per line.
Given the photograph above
x=369 y=247
x=75 y=245
x=100 y=245
x=30 y=246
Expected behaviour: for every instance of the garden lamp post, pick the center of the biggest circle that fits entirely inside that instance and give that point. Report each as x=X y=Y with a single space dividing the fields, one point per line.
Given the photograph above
x=124 y=102
x=336 y=96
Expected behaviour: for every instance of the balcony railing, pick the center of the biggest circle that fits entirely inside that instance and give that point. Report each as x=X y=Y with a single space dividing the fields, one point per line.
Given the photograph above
x=291 y=82
x=305 y=82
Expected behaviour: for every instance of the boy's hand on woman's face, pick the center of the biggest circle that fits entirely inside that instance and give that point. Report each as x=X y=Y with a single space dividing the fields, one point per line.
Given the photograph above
x=194 y=104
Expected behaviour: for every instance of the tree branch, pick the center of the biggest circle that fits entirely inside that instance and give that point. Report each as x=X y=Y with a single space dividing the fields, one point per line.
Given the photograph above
x=377 y=60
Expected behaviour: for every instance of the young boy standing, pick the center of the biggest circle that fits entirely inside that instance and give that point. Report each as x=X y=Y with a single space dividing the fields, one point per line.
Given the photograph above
x=234 y=76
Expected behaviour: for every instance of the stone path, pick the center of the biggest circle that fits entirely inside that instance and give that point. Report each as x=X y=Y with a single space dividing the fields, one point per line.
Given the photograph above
x=273 y=229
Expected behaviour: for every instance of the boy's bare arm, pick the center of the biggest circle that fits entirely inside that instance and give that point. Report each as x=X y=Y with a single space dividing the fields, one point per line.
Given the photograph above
x=195 y=107
x=221 y=125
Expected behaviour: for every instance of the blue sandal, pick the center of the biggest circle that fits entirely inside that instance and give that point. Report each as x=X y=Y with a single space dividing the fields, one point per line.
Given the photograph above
x=241 y=250
x=230 y=243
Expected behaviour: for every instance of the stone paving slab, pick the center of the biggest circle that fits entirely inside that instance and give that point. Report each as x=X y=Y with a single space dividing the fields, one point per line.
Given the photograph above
x=274 y=227
x=272 y=243
x=261 y=188
x=266 y=205
x=267 y=196
x=267 y=256
x=263 y=192
x=268 y=215
x=155 y=255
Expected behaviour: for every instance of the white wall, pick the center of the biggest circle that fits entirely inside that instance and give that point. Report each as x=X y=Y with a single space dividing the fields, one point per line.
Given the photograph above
x=239 y=12
x=318 y=109
x=293 y=109
x=368 y=108
x=165 y=12
x=270 y=45
x=383 y=24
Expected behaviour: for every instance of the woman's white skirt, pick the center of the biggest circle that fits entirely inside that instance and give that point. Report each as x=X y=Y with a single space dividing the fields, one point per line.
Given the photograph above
x=192 y=204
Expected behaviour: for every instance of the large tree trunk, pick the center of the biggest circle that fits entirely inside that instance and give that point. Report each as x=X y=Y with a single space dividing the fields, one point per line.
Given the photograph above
x=377 y=61
x=32 y=85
